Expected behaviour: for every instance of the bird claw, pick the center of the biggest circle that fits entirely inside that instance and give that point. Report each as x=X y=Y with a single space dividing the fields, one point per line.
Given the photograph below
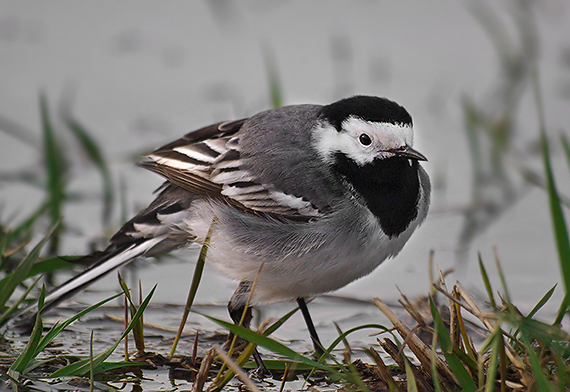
x=260 y=373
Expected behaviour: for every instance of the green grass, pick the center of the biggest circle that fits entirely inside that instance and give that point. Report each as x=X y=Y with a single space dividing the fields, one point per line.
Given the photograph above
x=194 y=285
x=14 y=279
x=83 y=367
x=37 y=343
x=19 y=267
x=556 y=210
x=56 y=172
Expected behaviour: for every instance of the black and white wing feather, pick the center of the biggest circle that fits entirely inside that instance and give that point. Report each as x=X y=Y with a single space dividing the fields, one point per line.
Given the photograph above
x=209 y=163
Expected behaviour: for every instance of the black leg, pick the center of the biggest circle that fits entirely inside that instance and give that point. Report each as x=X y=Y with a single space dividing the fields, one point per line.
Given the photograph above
x=310 y=326
x=237 y=312
x=236 y=308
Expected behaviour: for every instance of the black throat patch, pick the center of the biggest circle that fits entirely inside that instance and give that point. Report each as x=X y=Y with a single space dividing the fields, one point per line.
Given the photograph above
x=390 y=188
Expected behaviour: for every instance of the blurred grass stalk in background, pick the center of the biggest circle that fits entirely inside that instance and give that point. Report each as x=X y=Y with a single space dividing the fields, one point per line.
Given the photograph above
x=15 y=263
x=501 y=172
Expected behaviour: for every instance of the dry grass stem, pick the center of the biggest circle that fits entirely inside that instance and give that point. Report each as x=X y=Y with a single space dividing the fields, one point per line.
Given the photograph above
x=454 y=316
x=347 y=351
x=422 y=351
x=423 y=378
x=284 y=379
x=383 y=372
x=202 y=375
x=195 y=349
x=250 y=296
x=477 y=312
x=413 y=312
x=236 y=369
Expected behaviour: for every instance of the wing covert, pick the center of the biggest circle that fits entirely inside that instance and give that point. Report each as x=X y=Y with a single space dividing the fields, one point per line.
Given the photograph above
x=208 y=163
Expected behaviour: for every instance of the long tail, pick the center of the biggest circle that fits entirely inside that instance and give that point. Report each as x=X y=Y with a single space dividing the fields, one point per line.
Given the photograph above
x=107 y=263
x=153 y=231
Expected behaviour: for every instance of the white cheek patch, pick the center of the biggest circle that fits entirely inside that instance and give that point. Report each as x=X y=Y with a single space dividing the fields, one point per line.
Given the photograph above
x=327 y=140
x=385 y=136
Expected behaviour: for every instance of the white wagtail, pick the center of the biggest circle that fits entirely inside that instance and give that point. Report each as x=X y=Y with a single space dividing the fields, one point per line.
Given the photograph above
x=320 y=194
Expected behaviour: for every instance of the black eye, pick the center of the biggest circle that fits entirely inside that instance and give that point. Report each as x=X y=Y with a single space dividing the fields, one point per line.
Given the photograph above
x=365 y=139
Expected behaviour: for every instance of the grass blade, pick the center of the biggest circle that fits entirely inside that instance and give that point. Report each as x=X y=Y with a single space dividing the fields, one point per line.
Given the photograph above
x=487 y=282
x=260 y=340
x=455 y=364
x=557 y=215
x=56 y=169
x=21 y=272
x=410 y=378
x=275 y=326
x=558 y=221
x=91 y=367
x=56 y=329
x=236 y=370
x=525 y=327
x=472 y=120
x=81 y=368
x=566 y=147
x=542 y=302
x=47 y=265
x=543 y=332
x=344 y=335
x=246 y=353
x=16 y=304
x=495 y=342
x=434 y=372
x=275 y=88
x=138 y=329
x=108 y=366
x=537 y=370
x=195 y=283
x=95 y=154
x=29 y=353
x=53 y=264
x=559 y=225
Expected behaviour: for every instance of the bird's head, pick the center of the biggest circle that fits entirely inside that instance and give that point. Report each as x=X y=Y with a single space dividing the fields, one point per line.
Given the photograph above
x=365 y=129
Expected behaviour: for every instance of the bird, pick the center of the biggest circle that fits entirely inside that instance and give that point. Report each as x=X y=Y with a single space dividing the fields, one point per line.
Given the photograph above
x=306 y=198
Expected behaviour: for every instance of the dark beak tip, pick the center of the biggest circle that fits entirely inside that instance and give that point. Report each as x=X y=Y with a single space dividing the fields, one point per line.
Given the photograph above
x=413 y=154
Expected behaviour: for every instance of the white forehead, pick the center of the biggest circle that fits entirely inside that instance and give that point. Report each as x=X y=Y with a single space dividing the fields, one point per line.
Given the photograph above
x=385 y=136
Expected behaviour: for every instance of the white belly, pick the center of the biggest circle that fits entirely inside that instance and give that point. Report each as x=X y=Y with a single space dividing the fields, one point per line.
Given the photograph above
x=299 y=259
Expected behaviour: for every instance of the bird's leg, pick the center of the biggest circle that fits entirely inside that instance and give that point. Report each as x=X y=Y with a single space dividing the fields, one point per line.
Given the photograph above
x=241 y=314
x=310 y=326
x=238 y=303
